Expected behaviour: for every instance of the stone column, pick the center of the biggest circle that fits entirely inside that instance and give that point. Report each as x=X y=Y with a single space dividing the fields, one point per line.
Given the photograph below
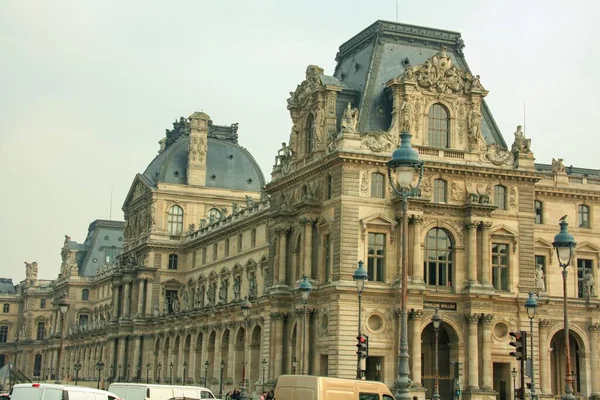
x=148 y=311
x=486 y=350
x=115 y=300
x=217 y=355
x=594 y=367
x=276 y=364
x=283 y=278
x=416 y=317
x=204 y=354
x=472 y=320
x=485 y=254
x=545 y=384
x=140 y=297
x=111 y=355
x=308 y=248
x=191 y=368
x=417 y=255
x=126 y=299
x=121 y=357
x=136 y=358
x=472 y=228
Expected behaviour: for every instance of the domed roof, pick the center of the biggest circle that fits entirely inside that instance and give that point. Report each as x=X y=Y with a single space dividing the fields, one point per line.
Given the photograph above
x=228 y=165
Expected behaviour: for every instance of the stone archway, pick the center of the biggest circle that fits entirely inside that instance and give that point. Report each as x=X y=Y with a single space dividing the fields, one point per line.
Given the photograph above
x=558 y=363
x=254 y=355
x=447 y=352
x=240 y=361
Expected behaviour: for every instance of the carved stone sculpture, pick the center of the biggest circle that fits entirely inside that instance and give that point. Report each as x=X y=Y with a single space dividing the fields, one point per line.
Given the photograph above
x=191 y=229
x=406 y=115
x=211 y=293
x=349 y=119
x=558 y=166
x=521 y=143
x=237 y=285
x=186 y=301
x=474 y=133
x=223 y=291
x=588 y=284
x=252 y=287
x=31 y=270
x=539 y=278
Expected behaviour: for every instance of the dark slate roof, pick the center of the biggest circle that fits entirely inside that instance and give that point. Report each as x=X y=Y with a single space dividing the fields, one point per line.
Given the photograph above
x=228 y=166
x=374 y=56
x=6 y=285
x=102 y=235
x=570 y=170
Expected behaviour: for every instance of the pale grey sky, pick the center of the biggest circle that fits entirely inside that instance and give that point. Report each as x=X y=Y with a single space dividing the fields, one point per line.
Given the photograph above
x=87 y=89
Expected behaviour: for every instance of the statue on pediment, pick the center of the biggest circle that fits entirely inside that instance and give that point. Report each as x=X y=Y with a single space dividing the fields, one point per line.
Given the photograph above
x=223 y=291
x=211 y=293
x=349 y=119
x=406 y=111
x=250 y=202
x=237 y=285
x=474 y=123
x=31 y=270
x=284 y=155
x=303 y=93
x=521 y=143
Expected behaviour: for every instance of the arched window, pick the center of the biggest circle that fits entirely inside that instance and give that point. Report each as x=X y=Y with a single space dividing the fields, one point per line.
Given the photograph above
x=85 y=294
x=173 y=260
x=310 y=134
x=539 y=212
x=438 y=258
x=583 y=216
x=175 y=221
x=439 y=126
x=500 y=197
x=377 y=185
x=439 y=191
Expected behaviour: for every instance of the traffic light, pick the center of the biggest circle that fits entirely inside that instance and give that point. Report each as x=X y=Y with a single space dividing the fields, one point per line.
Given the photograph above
x=520 y=345
x=362 y=346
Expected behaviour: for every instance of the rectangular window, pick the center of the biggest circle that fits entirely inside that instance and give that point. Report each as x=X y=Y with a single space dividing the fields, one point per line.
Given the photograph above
x=41 y=329
x=6 y=308
x=584 y=267
x=538 y=212
x=3 y=333
x=376 y=254
x=83 y=319
x=43 y=303
x=326 y=250
x=439 y=191
x=541 y=260
x=377 y=186
x=500 y=266
x=583 y=214
x=170 y=298
x=329 y=187
x=500 y=197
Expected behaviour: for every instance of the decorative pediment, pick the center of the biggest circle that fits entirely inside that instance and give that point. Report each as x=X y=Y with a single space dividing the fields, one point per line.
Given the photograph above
x=439 y=75
x=138 y=189
x=378 y=221
x=542 y=243
x=303 y=93
x=589 y=249
x=503 y=231
x=172 y=283
x=85 y=310
x=324 y=224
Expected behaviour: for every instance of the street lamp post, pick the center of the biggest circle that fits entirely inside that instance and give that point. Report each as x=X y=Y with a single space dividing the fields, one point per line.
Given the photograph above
x=147 y=373
x=378 y=369
x=206 y=373
x=436 y=318
x=360 y=276
x=119 y=372
x=159 y=370
x=184 y=371
x=77 y=367
x=531 y=307
x=222 y=364
x=138 y=373
x=305 y=288
x=294 y=365
x=264 y=368
x=44 y=373
x=514 y=373
x=245 y=306
x=127 y=376
x=99 y=366
x=171 y=373
x=63 y=307
x=408 y=168
x=564 y=243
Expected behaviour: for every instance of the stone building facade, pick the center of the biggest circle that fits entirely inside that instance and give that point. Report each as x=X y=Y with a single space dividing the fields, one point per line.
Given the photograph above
x=203 y=231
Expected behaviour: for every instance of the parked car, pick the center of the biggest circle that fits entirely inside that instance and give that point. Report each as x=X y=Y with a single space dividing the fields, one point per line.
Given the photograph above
x=48 y=391
x=142 y=391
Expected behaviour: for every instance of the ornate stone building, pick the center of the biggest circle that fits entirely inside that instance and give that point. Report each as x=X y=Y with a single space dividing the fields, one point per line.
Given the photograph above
x=201 y=234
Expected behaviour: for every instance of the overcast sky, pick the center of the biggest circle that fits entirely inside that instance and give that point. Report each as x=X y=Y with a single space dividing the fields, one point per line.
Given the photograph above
x=87 y=89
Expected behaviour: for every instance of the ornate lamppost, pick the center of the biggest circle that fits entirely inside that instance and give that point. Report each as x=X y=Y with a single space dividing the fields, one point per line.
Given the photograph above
x=185 y=364
x=264 y=368
x=436 y=318
x=138 y=373
x=99 y=367
x=63 y=307
x=360 y=276
x=531 y=307
x=378 y=369
x=408 y=168
x=159 y=370
x=222 y=364
x=127 y=376
x=171 y=373
x=564 y=243
x=294 y=365
x=305 y=288
x=245 y=306
x=206 y=373
x=514 y=373
x=147 y=373
x=77 y=367
x=119 y=372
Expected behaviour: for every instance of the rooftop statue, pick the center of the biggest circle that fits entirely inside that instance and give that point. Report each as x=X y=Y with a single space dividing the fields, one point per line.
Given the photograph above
x=521 y=143
x=349 y=119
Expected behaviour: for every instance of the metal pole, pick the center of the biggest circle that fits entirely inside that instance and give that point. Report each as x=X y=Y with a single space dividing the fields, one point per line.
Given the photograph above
x=533 y=393
x=568 y=377
x=436 y=394
x=358 y=369
x=205 y=374
x=514 y=376
x=403 y=382
x=221 y=383
x=243 y=388
x=303 y=337
x=62 y=324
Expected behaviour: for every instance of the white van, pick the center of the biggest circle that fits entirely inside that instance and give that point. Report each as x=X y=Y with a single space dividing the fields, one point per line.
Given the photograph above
x=142 y=391
x=47 y=391
x=307 y=387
